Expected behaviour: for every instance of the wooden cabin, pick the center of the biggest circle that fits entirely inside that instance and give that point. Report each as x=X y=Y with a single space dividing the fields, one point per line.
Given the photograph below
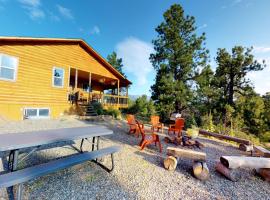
x=50 y=77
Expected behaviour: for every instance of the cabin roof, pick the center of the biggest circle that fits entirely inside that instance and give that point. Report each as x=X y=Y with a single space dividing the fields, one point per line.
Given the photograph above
x=81 y=42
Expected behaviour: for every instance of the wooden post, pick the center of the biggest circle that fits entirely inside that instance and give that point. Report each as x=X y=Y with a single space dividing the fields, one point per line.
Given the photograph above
x=90 y=82
x=118 y=93
x=76 y=79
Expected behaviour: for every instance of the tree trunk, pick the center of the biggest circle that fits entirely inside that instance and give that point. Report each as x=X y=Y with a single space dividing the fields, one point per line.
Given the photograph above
x=170 y=163
x=232 y=175
x=234 y=162
x=201 y=171
x=225 y=137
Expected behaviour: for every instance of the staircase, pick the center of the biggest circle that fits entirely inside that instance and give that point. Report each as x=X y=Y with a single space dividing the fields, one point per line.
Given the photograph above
x=88 y=110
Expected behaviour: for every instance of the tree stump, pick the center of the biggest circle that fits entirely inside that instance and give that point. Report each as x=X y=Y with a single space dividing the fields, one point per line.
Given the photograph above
x=170 y=163
x=201 y=171
x=265 y=173
x=244 y=147
x=232 y=175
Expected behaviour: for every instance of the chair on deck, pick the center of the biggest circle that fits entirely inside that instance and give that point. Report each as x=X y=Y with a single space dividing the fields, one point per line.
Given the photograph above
x=148 y=137
x=177 y=127
x=156 y=124
x=133 y=127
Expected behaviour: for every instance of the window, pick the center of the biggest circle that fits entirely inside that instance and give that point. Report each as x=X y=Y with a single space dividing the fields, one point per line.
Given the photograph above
x=36 y=113
x=58 y=77
x=8 y=67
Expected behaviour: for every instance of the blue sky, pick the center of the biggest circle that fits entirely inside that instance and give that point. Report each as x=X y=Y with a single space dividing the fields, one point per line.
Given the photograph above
x=128 y=27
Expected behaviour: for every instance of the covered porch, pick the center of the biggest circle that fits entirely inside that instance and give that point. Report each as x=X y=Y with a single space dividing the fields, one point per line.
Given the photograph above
x=87 y=87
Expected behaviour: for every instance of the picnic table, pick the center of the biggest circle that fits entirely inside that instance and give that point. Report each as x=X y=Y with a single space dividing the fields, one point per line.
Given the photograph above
x=15 y=142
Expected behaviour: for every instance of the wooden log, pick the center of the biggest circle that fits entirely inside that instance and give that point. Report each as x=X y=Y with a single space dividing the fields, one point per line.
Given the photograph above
x=184 y=153
x=234 y=162
x=225 y=137
x=264 y=173
x=232 y=175
x=169 y=139
x=244 y=147
x=262 y=151
x=170 y=163
x=201 y=171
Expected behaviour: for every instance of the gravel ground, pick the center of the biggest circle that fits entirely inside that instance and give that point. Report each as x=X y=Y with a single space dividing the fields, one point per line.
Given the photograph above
x=137 y=175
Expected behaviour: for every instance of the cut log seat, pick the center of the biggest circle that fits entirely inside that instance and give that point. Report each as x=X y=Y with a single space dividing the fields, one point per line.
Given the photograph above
x=231 y=174
x=234 y=162
x=225 y=137
x=184 y=153
x=262 y=151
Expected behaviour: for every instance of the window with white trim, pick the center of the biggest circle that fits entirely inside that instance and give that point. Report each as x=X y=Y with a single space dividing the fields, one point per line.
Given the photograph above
x=58 y=77
x=36 y=113
x=8 y=67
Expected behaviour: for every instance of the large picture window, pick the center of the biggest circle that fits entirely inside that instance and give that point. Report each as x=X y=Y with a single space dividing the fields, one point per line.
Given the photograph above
x=8 y=67
x=58 y=77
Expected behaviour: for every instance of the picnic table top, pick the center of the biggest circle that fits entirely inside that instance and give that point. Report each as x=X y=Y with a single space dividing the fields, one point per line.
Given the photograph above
x=13 y=141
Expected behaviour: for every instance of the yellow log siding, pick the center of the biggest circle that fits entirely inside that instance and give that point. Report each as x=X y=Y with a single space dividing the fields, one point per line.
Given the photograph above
x=33 y=87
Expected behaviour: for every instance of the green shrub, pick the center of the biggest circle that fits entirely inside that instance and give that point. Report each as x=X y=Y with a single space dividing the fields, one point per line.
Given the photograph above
x=115 y=113
x=246 y=136
x=265 y=137
x=98 y=108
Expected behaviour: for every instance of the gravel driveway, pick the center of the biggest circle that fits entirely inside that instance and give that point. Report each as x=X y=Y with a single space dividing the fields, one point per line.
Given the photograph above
x=137 y=175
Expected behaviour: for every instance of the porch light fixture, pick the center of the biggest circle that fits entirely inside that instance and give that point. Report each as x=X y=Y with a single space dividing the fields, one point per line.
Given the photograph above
x=113 y=82
x=102 y=80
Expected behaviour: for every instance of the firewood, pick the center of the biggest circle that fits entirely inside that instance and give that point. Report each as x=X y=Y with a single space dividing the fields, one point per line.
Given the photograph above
x=265 y=173
x=234 y=162
x=169 y=139
x=178 y=140
x=170 y=163
x=184 y=153
x=201 y=171
x=233 y=175
x=244 y=147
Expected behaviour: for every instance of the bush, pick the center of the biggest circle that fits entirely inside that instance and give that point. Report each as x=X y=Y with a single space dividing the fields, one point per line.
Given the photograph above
x=265 y=137
x=98 y=108
x=112 y=112
x=246 y=136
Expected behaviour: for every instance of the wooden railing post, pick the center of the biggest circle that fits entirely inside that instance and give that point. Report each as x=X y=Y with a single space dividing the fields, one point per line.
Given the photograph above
x=90 y=87
x=118 y=93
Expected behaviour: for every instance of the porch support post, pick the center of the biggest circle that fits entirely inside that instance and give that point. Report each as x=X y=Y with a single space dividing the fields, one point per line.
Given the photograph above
x=118 y=93
x=90 y=87
x=76 y=79
x=126 y=91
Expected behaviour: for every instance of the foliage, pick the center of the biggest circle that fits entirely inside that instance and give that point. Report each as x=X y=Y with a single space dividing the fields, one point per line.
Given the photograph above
x=142 y=107
x=115 y=113
x=98 y=108
x=117 y=63
x=230 y=76
x=178 y=53
x=265 y=137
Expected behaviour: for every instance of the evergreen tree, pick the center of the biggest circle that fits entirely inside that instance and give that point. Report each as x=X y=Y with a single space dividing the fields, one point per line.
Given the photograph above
x=178 y=53
x=117 y=63
x=230 y=76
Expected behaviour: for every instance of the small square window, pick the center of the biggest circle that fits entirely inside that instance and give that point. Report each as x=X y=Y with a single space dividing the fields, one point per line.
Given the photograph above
x=31 y=112
x=44 y=112
x=8 y=67
x=58 y=77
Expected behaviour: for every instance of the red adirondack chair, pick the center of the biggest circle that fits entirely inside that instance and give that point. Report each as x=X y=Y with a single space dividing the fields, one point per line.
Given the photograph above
x=133 y=127
x=156 y=125
x=177 y=127
x=148 y=137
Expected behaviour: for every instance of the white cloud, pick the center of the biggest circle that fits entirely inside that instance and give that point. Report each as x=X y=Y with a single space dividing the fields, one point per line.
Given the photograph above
x=65 y=12
x=95 y=30
x=135 y=54
x=202 y=26
x=54 y=17
x=261 y=79
x=261 y=49
x=33 y=8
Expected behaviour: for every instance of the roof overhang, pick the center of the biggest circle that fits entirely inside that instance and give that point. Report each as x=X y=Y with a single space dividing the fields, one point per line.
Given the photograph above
x=81 y=42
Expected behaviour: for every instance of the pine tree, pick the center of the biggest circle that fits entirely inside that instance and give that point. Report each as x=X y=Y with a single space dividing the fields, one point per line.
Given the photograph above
x=117 y=63
x=178 y=53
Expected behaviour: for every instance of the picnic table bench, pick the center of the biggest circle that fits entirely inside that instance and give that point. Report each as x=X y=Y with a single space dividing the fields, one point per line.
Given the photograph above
x=14 y=142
